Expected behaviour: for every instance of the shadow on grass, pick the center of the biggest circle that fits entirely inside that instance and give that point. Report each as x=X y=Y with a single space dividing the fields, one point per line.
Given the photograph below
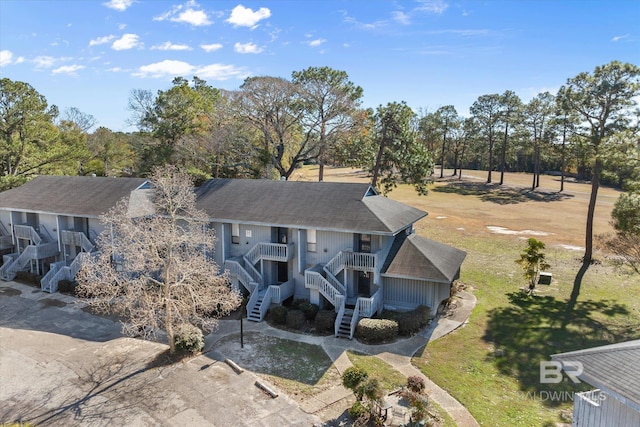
x=531 y=328
x=501 y=195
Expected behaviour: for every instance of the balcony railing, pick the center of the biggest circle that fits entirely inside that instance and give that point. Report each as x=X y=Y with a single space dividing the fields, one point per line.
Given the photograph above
x=269 y=252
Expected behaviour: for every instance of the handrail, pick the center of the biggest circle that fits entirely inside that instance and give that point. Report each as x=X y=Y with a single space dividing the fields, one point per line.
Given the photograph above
x=8 y=271
x=44 y=230
x=314 y=280
x=47 y=281
x=354 y=321
x=27 y=232
x=253 y=299
x=3 y=229
x=282 y=291
x=266 y=303
x=267 y=251
x=370 y=305
x=93 y=236
x=235 y=269
x=334 y=281
x=76 y=238
x=255 y=274
x=339 y=317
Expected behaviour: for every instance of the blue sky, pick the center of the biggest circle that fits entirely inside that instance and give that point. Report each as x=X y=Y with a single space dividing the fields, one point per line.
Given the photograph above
x=90 y=54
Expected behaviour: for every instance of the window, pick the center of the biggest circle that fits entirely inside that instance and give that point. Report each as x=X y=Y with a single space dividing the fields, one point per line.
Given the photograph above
x=235 y=233
x=311 y=240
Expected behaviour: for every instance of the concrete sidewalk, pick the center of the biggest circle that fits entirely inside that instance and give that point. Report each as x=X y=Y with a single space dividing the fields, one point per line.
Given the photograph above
x=398 y=354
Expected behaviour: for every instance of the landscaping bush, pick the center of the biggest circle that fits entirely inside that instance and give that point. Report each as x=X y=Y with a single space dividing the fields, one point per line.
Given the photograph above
x=357 y=410
x=410 y=322
x=376 y=330
x=325 y=320
x=295 y=319
x=415 y=384
x=353 y=377
x=278 y=314
x=188 y=338
x=28 y=278
x=310 y=310
x=67 y=286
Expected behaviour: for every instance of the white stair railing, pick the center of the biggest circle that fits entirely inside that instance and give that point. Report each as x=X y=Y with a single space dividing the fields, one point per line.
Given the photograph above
x=245 y=279
x=355 y=317
x=28 y=233
x=315 y=280
x=8 y=271
x=369 y=306
x=255 y=274
x=46 y=283
x=266 y=303
x=339 y=316
x=45 y=232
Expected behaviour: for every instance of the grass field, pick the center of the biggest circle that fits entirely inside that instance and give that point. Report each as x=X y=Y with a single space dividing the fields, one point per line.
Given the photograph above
x=492 y=364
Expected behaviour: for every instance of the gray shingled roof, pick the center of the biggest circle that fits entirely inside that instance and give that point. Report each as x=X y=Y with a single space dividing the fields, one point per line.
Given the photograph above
x=418 y=257
x=69 y=195
x=319 y=205
x=614 y=368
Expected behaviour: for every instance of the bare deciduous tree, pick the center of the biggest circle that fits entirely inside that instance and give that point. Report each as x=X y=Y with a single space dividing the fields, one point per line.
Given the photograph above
x=154 y=268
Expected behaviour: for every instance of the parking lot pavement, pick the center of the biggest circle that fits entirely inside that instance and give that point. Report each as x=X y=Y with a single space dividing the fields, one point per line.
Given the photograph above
x=60 y=365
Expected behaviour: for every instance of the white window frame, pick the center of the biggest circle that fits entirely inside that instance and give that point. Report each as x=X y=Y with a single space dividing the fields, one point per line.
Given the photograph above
x=235 y=233
x=312 y=235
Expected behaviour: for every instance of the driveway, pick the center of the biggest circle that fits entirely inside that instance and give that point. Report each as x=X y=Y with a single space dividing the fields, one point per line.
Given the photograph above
x=60 y=366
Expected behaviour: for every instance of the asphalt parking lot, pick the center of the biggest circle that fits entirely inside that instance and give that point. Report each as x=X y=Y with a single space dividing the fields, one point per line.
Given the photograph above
x=61 y=366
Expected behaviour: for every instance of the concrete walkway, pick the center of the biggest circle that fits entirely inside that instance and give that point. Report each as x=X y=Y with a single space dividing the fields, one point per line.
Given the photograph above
x=398 y=354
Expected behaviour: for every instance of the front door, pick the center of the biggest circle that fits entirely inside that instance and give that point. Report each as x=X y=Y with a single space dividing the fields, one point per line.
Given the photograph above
x=280 y=235
x=364 y=283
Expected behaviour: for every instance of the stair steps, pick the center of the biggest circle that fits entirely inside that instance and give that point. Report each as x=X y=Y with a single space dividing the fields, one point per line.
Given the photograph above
x=254 y=313
x=344 y=330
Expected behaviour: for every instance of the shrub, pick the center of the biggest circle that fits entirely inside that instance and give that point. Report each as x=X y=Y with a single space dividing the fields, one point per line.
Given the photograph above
x=325 y=320
x=188 y=338
x=415 y=384
x=353 y=377
x=357 y=410
x=67 y=286
x=376 y=330
x=411 y=322
x=310 y=310
x=28 y=278
x=295 y=319
x=278 y=314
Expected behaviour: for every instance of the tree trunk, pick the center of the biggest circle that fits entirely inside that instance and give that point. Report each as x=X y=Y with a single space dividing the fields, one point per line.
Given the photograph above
x=444 y=142
x=503 y=157
x=376 y=167
x=595 y=184
x=564 y=139
x=490 y=158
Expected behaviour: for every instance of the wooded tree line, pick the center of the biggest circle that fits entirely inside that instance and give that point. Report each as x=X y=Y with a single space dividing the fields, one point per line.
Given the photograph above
x=270 y=126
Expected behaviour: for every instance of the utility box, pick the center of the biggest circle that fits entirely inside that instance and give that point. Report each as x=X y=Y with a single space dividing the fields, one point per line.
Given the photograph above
x=545 y=278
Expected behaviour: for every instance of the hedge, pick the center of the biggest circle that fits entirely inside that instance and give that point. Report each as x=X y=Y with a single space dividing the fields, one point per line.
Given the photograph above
x=376 y=330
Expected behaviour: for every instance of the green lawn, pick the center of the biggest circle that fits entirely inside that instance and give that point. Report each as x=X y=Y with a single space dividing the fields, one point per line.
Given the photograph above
x=503 y=389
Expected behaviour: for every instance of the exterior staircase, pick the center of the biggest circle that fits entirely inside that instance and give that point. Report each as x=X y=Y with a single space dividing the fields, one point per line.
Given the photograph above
x=6 y=240
x=243 y=270
x=323 y=278
x=41 y=246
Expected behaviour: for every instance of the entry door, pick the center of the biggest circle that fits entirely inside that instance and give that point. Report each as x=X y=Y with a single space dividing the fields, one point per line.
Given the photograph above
x=364 y=283
x=282 y=235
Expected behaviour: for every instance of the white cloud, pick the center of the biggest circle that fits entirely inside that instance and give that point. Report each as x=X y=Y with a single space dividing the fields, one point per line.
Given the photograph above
x=68 y=69
x=221 y=72
x=120 y=5
x=170 y=68
x=618 y=38
x=247 y=48
x=115 y=69
x=166 y=68
x=46 y=61
x=6 y=57
x=171 y=46
x=190 y=13
x=127 y=41
x=245 y=17
x=432 y=6
x=101 y=40
x=401 y=17
x=211 y=47
x=316 y=42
